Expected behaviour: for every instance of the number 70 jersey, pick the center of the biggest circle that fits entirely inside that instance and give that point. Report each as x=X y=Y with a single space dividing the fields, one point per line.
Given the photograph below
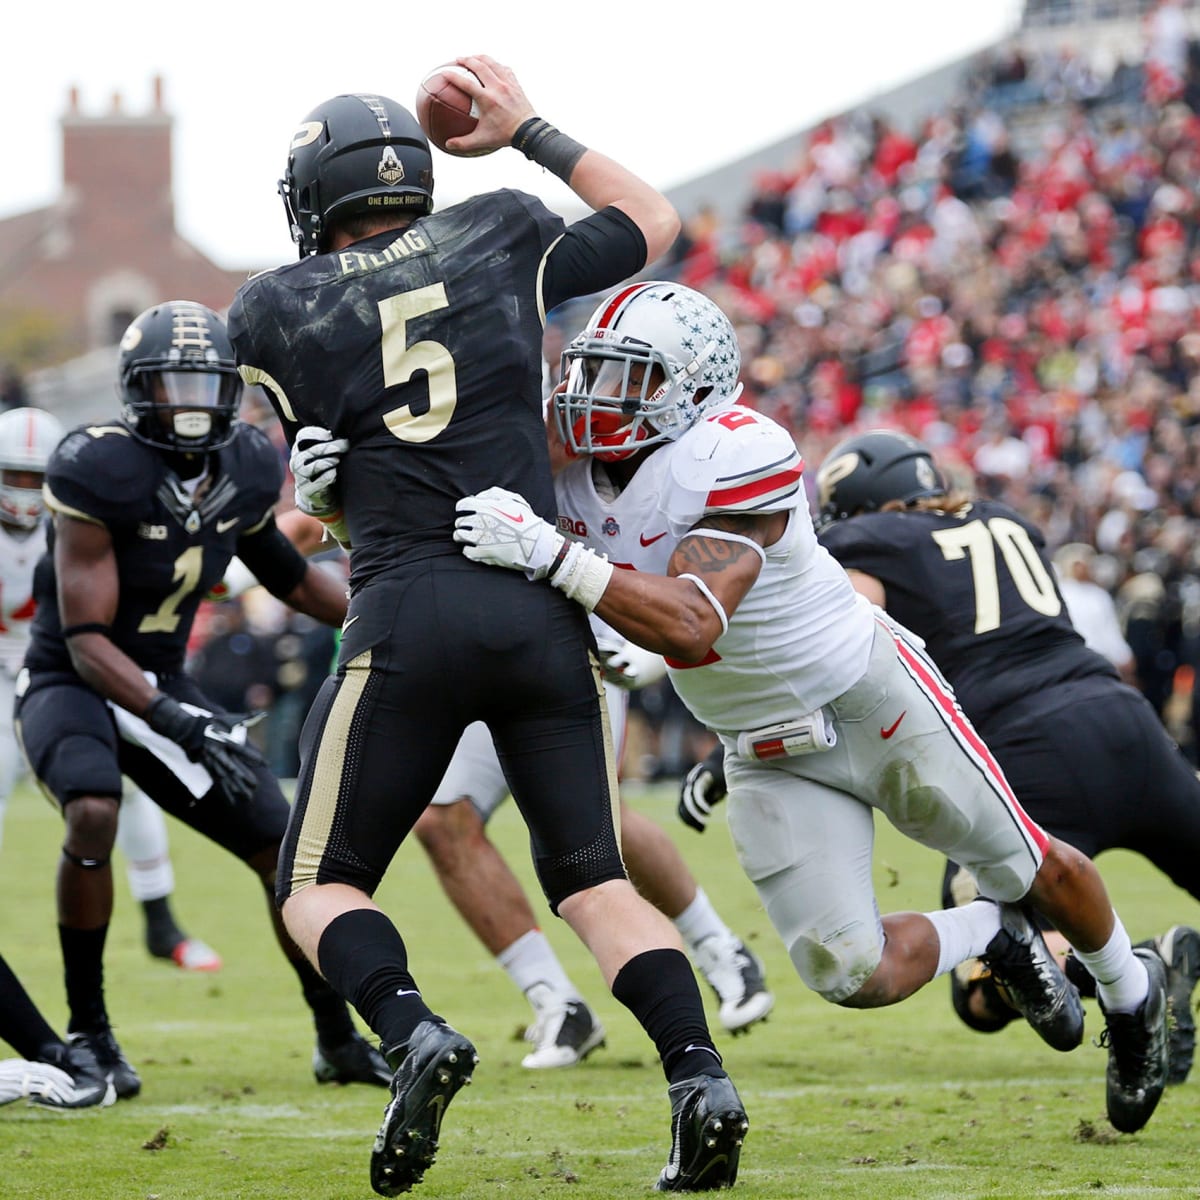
x=977 y=587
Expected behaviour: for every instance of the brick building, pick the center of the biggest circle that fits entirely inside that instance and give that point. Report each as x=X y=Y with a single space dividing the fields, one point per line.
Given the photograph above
x=108 y=247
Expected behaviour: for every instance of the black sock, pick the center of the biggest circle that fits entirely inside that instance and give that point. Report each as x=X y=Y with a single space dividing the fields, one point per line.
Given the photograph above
x=83 y=969
x=658 y=987
x=162 y=932
x=363 y=957
x=21 y=1025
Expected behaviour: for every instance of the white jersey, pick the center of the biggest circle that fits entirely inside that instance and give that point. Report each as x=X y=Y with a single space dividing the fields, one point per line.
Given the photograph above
x=19 y=554
x=802 y=636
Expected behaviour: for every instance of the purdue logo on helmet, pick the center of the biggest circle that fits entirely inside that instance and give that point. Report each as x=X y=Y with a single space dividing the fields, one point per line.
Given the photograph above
x=347 y=154
x=177 y=378
x=864 y=473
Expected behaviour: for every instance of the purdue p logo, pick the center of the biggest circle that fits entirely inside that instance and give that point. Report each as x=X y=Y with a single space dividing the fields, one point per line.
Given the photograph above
x=832 y=473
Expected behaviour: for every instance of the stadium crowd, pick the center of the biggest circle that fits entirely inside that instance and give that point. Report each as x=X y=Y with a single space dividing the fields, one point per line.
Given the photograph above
x=1015 y=283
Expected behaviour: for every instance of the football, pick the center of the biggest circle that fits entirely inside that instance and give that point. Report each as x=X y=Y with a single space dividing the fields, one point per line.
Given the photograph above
x=445 y=110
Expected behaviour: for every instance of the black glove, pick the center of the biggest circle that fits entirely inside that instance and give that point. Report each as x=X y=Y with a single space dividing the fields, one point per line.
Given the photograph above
x=703 y=786
x=209 y=740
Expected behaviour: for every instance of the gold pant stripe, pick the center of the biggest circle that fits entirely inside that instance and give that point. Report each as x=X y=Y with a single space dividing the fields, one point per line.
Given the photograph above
x=325 y=786
x=610 y=750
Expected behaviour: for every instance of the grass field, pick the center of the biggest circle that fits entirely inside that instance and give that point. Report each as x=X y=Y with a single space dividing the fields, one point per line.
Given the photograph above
x=900 y=1102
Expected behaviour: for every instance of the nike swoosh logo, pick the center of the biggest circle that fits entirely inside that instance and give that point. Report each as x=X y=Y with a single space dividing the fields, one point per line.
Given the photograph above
x=224 y=525
x=350 y=621
x=650 y=541
x=887 y=733
x=402 y=991
x=516 y=520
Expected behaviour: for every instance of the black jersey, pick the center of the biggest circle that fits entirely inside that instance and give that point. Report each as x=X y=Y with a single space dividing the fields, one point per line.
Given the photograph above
x=171 y=546
x=978 y=588
x=423 y=348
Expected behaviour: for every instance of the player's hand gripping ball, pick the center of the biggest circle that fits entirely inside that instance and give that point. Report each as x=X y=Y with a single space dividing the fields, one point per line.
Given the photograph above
x=445 y=111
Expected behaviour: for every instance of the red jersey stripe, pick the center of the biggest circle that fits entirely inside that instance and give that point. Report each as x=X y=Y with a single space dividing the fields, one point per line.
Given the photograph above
x=780 y=481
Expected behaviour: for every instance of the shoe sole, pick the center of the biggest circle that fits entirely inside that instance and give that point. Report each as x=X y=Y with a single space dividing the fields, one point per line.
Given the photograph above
x=407 y=1140
x=716 y=1167
x=752 y=1010
x=1183 y=943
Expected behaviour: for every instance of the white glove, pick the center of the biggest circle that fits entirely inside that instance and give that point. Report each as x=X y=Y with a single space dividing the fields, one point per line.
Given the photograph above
x=499 y=528
x=314 y=463
x=630 y=666
x=33 y=1081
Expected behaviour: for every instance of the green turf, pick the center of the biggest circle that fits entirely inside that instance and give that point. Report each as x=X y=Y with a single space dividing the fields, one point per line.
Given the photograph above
x=900 y=1102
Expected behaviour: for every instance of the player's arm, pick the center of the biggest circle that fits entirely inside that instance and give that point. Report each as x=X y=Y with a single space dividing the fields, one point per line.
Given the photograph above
x=88 y=595
x=506 y=117
x=280 y=567
x=681 y=614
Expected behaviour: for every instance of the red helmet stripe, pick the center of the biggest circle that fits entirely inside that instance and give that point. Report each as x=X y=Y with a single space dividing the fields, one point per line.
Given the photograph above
x=611 y=310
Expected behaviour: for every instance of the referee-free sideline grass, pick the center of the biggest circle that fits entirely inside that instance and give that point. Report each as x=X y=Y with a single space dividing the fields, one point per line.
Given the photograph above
x=898 y=1102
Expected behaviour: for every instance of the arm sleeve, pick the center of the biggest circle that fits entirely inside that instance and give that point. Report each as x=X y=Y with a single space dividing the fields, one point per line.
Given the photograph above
x=273 y=560
x=596 y=253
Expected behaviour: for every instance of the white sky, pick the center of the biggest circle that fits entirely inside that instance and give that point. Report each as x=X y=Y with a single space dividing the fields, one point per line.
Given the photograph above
x=665 y=91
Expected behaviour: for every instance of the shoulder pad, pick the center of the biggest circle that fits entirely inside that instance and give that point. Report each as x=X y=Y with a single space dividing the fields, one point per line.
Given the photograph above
x=256 y=466
x=734 y=460
x=96 y=471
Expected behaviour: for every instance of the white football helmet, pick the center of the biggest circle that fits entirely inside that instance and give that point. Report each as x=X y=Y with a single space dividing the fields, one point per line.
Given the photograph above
x=652 y=358
x=27 y=439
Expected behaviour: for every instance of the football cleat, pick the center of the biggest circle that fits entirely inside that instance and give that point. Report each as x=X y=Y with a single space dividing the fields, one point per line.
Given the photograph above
x=194 y=955
x=563 y=1036
x=50 y=1086
x=1022 y=964
x=439 y=1062
x=103 y=1046
x=1137 y=1052
x=708 y=1126
x=736 y=976
x=352 y=1061
x=91 y=1086
x=1179 y=948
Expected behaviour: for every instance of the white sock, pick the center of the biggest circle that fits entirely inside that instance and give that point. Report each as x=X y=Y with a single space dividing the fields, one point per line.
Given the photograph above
x=699 y=921
x=1121 y=979
x=142 y=839
x=531 y=962
x=963 y=932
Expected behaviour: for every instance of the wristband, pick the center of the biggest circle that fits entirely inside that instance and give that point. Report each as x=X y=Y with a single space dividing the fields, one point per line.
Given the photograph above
x=87 y=627
x=541 y=143
x=583 y=575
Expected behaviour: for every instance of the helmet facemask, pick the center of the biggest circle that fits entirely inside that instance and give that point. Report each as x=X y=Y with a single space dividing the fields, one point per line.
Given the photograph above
x=179 y=383
x=653 y=359
x=28 y=437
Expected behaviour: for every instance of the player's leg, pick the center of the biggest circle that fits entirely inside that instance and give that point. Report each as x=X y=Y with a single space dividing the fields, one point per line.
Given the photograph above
x=556 y=751
x=348 y=818
x=142 y=839
x=1066 y=888
x=11 y=762
x=71 y=745
x=253 y=832
x=658 y=871
x=489 y=897
x=50 y=1072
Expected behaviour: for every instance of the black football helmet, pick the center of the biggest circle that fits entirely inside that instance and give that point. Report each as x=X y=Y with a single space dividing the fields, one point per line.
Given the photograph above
x=863 y=473
x=354 y=154
x=178 y=381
